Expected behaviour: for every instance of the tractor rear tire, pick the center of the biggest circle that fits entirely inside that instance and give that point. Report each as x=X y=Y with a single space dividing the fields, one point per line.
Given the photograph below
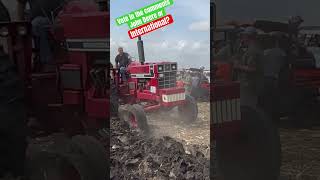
x=254 y=154
x=189 y=111
x=114 y=101
x=52 y=166
x=136 y=117
x=59 y=160
x=13 y=115
x=95 y=154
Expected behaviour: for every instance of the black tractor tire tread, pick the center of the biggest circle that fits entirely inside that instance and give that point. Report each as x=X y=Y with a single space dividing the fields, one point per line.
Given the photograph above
x=45 y=158
x=13 y=115
x=114 y=100
x=139 y=113
x=95 y=154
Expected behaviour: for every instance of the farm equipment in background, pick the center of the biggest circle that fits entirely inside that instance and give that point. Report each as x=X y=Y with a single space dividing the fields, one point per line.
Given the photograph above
x=151 y=87
x=310 y=36
x=70 y=102
x=299 y=78
x=247 y=144
x=197 y=82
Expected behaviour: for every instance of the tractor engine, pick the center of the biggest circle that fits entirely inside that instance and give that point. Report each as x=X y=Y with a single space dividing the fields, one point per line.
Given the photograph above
x=156 y=80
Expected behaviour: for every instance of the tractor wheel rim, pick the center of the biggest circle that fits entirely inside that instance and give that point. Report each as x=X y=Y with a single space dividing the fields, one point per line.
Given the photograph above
x=133 y=121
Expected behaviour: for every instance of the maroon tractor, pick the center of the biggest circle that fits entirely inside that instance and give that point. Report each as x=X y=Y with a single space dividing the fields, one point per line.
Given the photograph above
x=151 y=87
x=68 y=100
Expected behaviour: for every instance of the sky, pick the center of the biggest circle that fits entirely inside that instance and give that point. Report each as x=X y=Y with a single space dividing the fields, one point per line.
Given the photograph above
x=186 y=41
x=277 y=10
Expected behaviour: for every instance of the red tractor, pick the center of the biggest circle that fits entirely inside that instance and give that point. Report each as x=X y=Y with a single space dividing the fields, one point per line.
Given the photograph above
x=71 y=98
x=247 y=143
x=151 y=87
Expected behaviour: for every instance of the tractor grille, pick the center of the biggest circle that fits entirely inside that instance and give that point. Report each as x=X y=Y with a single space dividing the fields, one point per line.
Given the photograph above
x=168 y=80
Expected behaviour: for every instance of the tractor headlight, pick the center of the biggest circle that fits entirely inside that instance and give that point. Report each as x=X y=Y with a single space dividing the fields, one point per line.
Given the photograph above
x=22 y=30
x=160 y=68
x=4 y=31
x=174 y=67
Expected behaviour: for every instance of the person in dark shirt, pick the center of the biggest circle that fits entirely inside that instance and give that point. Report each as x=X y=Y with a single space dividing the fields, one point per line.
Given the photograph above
x=248 y=67
x=122 y=60
x=42 y=15
x=273 y=62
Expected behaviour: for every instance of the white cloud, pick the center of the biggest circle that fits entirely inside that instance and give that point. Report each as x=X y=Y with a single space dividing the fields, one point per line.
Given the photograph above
x=200 y=26
x=164 y=44
x=181 y=44
x=196 y=45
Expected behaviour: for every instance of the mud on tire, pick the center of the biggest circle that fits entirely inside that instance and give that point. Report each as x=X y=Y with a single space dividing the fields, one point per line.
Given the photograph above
x=95 y=155
x=114 y=100
x=189 y=111
x=79 y=158
x=135 y=116
x=56 y=159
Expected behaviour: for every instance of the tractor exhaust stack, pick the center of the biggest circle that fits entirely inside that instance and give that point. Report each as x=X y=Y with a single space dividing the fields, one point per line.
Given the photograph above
x=141 y=50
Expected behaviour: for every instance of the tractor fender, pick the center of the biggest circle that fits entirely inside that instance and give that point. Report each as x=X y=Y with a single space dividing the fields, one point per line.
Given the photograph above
x=95 y=155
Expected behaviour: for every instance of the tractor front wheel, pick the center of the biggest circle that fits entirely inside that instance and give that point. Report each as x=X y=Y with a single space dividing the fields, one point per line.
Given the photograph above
x=189 y=111
x=253 y=154
x=135 y=116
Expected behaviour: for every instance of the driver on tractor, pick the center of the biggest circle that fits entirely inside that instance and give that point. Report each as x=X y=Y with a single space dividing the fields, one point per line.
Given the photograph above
x=122 y=60
x=42 y=15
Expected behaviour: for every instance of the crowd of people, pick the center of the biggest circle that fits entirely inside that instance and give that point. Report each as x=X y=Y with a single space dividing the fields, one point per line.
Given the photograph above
x=259 y=65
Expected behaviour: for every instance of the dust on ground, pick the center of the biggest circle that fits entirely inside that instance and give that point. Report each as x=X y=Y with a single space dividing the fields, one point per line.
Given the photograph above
x=300 y=154
x=196 y=134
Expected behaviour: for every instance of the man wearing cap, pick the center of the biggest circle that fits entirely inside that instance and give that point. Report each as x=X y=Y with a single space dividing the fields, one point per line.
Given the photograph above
x=248 y=68
x=42 y=15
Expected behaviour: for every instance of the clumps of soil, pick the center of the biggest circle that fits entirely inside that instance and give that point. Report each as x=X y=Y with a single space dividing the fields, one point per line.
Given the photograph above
x=135 y=156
